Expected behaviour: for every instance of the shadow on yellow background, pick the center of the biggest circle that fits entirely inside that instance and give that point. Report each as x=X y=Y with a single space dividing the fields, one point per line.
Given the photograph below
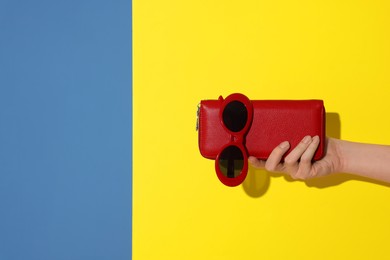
x=258 y=181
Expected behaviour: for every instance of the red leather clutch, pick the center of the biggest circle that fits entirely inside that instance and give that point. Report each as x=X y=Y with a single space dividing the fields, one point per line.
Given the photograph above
x=274 y=121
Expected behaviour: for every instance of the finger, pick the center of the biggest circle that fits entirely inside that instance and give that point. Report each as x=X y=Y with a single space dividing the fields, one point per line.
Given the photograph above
x=306 y=169
x=276 y=155
x=293 y=157
x=256 y=162
x=307 y=156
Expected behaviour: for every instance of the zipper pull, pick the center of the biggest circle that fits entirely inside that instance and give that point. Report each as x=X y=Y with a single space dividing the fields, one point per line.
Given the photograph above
x=197 y=117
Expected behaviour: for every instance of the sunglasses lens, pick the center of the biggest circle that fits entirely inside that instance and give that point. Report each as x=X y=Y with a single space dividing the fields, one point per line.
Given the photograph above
x=235 y=116
x=231 y=161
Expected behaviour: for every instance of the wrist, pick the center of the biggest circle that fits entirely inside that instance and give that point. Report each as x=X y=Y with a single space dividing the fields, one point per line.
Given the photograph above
x=336 y=147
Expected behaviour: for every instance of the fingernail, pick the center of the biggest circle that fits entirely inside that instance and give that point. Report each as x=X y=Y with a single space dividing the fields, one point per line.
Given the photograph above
x=283 y=145
x=306 y=140
x=316 y=139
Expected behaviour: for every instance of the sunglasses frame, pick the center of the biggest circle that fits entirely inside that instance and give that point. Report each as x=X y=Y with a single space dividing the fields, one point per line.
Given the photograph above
x=237 y=139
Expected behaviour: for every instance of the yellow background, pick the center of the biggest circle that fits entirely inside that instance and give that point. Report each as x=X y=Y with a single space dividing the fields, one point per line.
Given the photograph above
x=185 y=51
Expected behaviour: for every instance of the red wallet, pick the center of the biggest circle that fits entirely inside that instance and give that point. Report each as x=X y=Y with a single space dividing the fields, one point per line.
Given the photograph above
x=273 y=122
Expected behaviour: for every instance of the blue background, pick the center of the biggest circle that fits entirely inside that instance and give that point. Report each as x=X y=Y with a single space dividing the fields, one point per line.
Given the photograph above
x=65 y=129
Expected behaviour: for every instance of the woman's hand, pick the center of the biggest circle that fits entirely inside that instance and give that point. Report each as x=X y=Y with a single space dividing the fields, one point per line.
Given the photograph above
x=298 y=163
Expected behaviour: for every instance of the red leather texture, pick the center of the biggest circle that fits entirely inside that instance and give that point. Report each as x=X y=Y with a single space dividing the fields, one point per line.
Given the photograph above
x=274 y=121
